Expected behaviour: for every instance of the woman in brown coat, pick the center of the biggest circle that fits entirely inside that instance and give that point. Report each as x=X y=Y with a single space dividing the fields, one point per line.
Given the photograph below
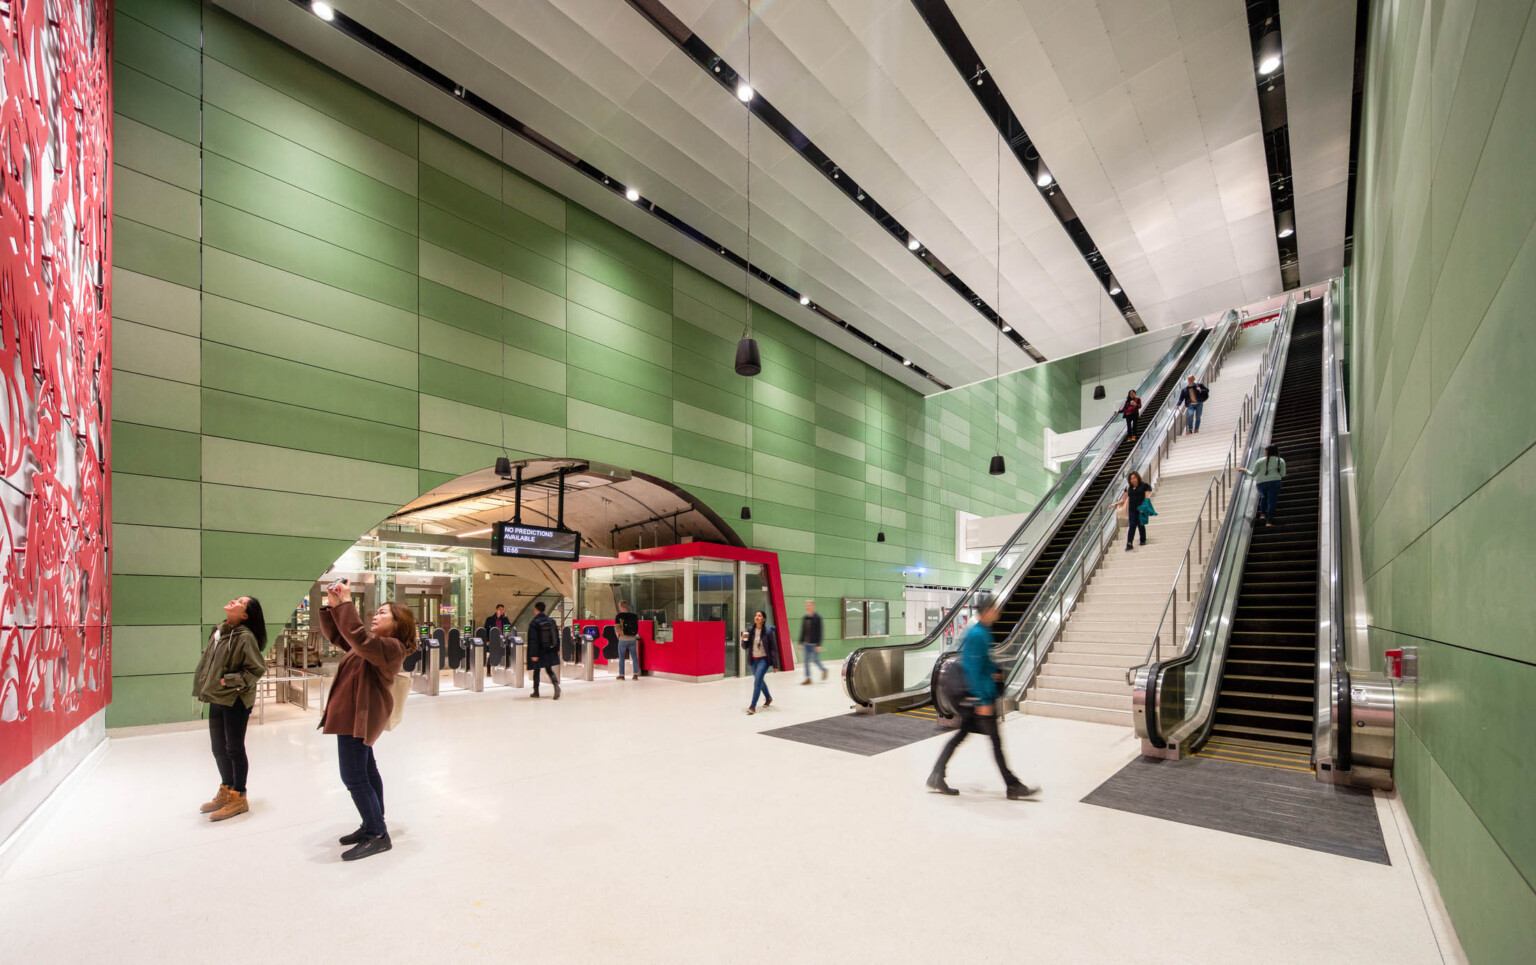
x=360 y=704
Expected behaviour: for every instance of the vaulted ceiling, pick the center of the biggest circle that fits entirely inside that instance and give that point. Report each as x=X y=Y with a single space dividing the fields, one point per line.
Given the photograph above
x=1145 y=111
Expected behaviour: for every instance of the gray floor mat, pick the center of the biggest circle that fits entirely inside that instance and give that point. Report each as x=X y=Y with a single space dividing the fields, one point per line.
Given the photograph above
x=1259 y=802
x=866 y=734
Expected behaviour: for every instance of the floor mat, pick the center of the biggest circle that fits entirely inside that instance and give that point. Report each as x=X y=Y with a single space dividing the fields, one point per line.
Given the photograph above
x=866 y=734
x=1259 y=802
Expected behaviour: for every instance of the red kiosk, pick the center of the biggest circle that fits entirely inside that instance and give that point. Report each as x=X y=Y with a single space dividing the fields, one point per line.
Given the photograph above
x=694 y=601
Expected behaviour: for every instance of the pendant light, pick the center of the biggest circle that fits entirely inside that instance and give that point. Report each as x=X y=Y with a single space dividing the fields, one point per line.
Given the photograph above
x=749 y=361
x=996 y=466
x=1098 y=390
x=880 y=436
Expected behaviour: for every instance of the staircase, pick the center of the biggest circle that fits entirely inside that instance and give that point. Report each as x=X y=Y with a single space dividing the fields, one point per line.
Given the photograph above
x=1206 y=451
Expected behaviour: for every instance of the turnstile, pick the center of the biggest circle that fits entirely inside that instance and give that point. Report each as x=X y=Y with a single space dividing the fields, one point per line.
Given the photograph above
x=427 y=674
x=469 y=672
x=507 y=670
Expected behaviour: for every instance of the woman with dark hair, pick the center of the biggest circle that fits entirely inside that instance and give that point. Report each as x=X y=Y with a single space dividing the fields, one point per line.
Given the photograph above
x=226 y=681
x=762 y=647
x=1267 y=473
x=1131 y=409
x=361 y=700
x=1135 y=492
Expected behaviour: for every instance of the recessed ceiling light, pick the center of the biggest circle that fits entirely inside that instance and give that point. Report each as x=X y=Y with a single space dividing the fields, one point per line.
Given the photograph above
x=632 y=194
x=906 y=361
x=1269 y=53
x=913 y=244
x=743 y=92
x=323 y=11
x=1286 y=224
x=1007 y=329
x=1114 y=286
x=583 y=483
x=1044 y=179
x=805 y=299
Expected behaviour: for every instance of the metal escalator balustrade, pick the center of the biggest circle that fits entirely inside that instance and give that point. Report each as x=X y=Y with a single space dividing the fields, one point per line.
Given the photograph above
x=896 y=676
x=1027 y=631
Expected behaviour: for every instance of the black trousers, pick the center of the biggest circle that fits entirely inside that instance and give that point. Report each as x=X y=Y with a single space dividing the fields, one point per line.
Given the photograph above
x=552 y=678
x=226 y=731
x=974 y=723
x=1130 y=426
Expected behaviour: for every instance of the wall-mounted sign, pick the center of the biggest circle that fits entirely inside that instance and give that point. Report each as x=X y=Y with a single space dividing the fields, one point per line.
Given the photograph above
x=535 y=542
x=446 y=611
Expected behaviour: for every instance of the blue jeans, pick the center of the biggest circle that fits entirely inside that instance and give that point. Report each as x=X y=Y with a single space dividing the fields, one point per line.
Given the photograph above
x=760 y=668
x=1192 y=416
x=360 y=773
x=631 y=649
x=812 y=652
x=1269 y=499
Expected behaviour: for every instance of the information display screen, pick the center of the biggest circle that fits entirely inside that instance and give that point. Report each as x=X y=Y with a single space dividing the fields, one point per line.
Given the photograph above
x=535 y=543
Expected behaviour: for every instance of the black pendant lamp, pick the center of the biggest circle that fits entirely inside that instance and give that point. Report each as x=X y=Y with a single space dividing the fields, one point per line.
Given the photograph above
x=1098 y=390
x=746 y=512
x=997 y=467
x=749 y=361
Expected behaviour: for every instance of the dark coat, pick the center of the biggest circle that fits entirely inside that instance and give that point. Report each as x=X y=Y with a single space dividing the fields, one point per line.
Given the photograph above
x=770 y=646
x=543 y=642
x=504 y=622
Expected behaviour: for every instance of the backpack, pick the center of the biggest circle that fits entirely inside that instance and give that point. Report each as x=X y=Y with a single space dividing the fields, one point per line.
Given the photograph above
x=952 y=683
x=1201 y=392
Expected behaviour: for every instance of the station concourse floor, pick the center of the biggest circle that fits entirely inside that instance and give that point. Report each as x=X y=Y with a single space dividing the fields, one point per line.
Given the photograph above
x=650 y=821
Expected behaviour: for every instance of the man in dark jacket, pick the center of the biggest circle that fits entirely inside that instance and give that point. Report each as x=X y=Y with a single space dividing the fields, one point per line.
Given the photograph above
x=627 y=625
x=810 y=641
x=543 y=648
x=499 y=620
x=1192 y=397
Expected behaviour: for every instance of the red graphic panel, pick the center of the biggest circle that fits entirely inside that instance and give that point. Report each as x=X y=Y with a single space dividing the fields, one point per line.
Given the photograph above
x=55 y=366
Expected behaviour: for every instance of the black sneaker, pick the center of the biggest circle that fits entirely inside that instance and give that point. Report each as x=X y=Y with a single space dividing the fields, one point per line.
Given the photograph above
x=534 y=694
x=1018 y=792
x=368 y=847
x=557 y=691
x=936 y=782
x=352 y=838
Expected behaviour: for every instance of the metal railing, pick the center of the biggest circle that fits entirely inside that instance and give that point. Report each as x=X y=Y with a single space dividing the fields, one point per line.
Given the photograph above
x=1037 y=630
x=878 y=674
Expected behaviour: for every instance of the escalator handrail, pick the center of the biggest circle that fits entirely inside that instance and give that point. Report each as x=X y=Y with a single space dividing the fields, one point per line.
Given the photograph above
x=1150 y=441
x=1111 y=426
x=1032 y=623
x=1331 y=733
x=1228 y=555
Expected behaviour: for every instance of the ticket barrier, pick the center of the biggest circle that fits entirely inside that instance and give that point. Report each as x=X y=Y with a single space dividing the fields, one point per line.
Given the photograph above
x=427 y=675
x=469 y=672
x=453 y=651
x=588 y=638
x=508 y=669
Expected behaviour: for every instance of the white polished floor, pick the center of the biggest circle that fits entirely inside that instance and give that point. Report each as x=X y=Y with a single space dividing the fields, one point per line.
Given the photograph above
x=650 y=822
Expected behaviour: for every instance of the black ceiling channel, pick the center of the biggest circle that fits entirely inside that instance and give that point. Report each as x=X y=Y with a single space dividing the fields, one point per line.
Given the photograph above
x=1264 y=19
x=405 y=60
x=962 y=53
x=727 y=77
x=1362 y=33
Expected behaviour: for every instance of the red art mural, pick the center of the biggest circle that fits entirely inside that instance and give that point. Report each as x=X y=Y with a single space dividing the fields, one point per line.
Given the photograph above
x=55 y=366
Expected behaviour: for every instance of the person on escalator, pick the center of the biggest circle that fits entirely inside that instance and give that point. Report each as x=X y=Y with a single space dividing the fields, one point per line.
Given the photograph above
x=1135 y=495
x=1131 y=409
x=1267 y=473
x=543 y=648
x=1192 y=397
x=977 y=707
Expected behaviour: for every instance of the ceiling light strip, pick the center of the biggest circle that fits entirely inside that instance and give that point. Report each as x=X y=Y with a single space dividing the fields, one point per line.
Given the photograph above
x=962 y=53
x=1269 y=75
x=726 y=76
x=435 y=78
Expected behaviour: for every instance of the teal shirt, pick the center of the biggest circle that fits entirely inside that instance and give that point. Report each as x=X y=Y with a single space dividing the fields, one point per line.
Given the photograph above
x=976 y=661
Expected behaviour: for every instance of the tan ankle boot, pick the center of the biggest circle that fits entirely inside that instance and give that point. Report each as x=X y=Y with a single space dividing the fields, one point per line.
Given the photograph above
x=219 y=800
x=237 y=804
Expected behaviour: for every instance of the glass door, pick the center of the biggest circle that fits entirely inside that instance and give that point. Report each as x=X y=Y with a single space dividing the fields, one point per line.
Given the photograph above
x=715 y=598
x=754 y=597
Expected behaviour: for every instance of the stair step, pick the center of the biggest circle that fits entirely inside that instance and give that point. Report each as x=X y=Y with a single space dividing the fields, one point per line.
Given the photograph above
x=1084 y=698
x=1102 y=685
x=1263 y=732
x=1097 y=715
x=1276 y=715
x=1266 y=696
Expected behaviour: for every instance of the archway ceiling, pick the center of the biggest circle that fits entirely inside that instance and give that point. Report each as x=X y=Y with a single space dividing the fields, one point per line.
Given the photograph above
x=1145 y=111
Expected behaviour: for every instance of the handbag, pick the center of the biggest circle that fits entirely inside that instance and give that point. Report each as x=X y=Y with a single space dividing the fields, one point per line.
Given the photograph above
x=399 y=688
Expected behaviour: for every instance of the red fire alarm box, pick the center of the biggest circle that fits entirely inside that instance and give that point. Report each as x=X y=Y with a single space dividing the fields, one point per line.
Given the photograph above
x=1394 y=664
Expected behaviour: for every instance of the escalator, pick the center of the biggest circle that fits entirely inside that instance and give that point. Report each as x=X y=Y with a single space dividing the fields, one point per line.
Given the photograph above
x=1265 y=704
x=1019 y=601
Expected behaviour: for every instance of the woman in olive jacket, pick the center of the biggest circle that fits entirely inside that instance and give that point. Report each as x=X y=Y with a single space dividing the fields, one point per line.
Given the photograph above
x=360 y=703
x=226 y=681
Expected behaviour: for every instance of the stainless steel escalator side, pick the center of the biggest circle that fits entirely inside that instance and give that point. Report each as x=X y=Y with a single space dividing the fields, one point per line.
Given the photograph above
x=1353 y=729
x=877 y=677
x=1021 y=652
x=1173 y=702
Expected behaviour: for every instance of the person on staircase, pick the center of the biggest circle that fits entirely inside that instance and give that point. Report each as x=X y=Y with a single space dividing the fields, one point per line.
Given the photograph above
x=226 y=681
x=1192 y=397
x=1267 y=473
x=1135 y=495
x=977 y=707
x=543 y=648
x=1130 y=410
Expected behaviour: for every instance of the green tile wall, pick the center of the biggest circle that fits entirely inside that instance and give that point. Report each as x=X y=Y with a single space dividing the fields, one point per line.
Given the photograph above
x=327 y=307
x=1442 y=355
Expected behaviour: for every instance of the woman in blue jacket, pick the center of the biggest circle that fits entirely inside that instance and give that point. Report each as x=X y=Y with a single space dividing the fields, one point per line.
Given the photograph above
x=978 y=710
x=762 y=647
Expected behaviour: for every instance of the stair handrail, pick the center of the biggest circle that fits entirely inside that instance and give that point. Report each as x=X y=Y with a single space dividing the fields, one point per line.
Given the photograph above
x=1223 y=480
x=1331 y=741
x=1228 y=553
x=1109 y=431
x=1047 y=613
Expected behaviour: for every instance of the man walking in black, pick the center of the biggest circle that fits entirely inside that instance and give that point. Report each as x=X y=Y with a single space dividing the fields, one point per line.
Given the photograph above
x=810 y=641
x=543 y=648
